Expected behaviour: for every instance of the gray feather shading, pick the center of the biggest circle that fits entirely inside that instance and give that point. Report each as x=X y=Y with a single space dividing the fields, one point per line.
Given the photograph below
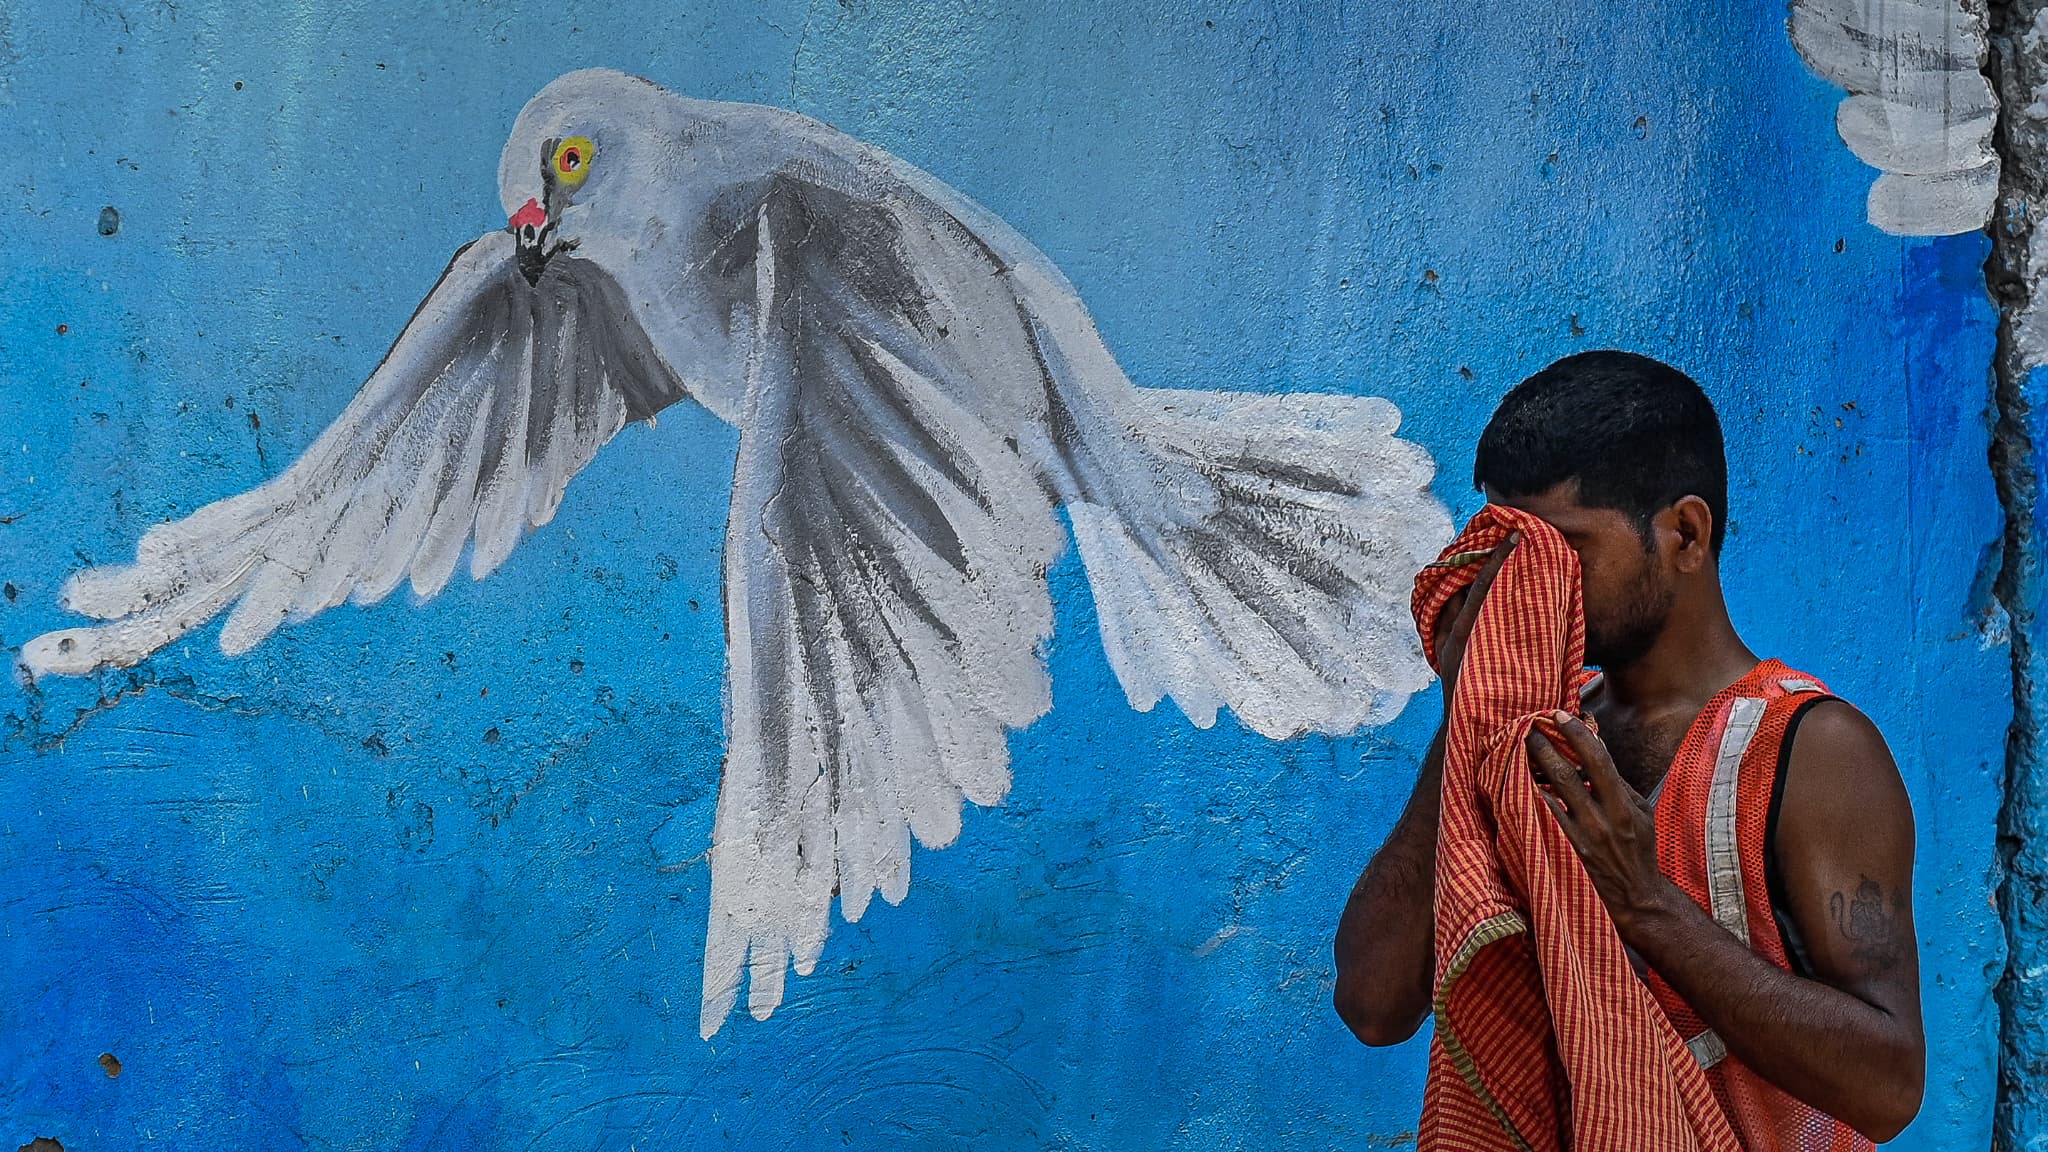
x=492 y=398
x=920 y=394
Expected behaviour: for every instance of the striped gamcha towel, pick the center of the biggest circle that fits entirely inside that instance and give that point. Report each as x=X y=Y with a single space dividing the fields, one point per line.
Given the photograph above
x=1545 y=1038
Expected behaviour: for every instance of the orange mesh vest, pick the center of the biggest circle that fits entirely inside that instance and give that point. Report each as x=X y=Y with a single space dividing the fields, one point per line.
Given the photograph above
x=1715 y=811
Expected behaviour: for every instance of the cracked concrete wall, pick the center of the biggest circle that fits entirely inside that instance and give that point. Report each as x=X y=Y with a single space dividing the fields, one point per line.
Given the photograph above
x=2018 y=69
x=432 y=877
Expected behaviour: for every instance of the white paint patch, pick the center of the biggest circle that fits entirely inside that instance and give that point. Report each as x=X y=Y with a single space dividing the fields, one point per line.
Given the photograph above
x=918 y=391
x=1216 y=941
x=1919 y=110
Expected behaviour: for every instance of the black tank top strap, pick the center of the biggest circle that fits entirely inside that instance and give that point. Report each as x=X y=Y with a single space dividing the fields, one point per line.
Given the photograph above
x=1800 y=701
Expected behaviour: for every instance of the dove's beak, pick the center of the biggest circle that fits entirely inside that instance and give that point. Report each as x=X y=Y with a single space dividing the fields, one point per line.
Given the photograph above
x=530 y=228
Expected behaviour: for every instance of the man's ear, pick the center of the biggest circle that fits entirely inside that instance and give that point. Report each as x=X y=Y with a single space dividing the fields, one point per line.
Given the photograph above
x=1691 y=523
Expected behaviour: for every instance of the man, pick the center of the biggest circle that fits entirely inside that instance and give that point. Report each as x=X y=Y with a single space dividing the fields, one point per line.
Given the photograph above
x=1623 y=456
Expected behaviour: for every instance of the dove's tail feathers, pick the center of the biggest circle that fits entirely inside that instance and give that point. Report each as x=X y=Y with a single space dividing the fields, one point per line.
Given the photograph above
x=1249 y=551
x=1269 y=570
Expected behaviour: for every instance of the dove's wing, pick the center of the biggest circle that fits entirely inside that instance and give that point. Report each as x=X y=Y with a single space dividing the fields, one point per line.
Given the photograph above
x=884 y=568
x=493 y=396
x=1919 y=108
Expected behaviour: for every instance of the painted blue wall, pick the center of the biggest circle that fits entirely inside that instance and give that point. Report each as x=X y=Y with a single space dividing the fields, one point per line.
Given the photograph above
x=412 y=878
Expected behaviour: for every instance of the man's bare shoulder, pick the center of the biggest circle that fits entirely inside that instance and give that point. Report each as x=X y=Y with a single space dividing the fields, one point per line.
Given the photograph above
x=1840 y=761
x=1845 y=849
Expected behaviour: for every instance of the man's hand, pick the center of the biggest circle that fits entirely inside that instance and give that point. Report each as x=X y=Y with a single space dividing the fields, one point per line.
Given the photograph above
x=1461 y=612
x=1613 y=829
x=1847 y=1040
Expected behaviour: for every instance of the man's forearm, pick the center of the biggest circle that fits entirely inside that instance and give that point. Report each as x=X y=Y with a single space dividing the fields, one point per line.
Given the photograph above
x=1386 y=955
x=1839 y=1054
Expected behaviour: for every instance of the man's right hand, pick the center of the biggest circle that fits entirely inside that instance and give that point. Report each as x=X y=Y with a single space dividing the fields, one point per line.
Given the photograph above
x=1461 y=612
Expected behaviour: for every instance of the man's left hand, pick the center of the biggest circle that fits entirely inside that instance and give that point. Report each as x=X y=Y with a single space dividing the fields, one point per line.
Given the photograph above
x=1612 y=828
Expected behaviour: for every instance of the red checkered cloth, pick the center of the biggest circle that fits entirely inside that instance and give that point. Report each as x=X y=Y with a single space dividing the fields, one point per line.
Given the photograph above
x=1545 y=1038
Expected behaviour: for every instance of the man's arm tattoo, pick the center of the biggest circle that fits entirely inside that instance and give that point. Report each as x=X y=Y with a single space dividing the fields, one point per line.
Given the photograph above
x=1869 y=925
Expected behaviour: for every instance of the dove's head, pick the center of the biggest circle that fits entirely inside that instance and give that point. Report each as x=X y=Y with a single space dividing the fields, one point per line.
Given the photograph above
x=575 y=145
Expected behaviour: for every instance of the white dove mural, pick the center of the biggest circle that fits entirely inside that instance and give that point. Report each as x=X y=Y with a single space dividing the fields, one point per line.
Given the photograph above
x=1919 y=108
x=918 y=392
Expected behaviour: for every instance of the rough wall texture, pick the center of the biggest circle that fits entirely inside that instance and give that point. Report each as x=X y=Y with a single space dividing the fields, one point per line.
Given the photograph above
x=2019 y=70
x=433 y=877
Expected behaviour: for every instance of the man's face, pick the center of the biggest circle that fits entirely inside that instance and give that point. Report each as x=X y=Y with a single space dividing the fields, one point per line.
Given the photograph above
x=1628 y=591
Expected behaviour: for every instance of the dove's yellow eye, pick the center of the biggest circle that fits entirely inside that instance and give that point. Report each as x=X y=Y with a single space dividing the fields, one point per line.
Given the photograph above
x=572 y=160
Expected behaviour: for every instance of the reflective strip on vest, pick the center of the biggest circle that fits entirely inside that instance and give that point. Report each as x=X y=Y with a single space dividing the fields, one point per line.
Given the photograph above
x=1725 y=892
x=1724 y=863
x=1707 y=1048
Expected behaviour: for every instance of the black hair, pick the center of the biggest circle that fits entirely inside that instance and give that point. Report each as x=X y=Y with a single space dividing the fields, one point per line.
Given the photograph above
x=1638 y=435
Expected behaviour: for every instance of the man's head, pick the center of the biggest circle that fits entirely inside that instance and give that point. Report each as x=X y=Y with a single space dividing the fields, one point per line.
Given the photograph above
x=1623 y=456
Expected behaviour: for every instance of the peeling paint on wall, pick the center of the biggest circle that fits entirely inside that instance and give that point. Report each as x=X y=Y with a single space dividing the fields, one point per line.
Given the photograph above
x=1919 y=108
